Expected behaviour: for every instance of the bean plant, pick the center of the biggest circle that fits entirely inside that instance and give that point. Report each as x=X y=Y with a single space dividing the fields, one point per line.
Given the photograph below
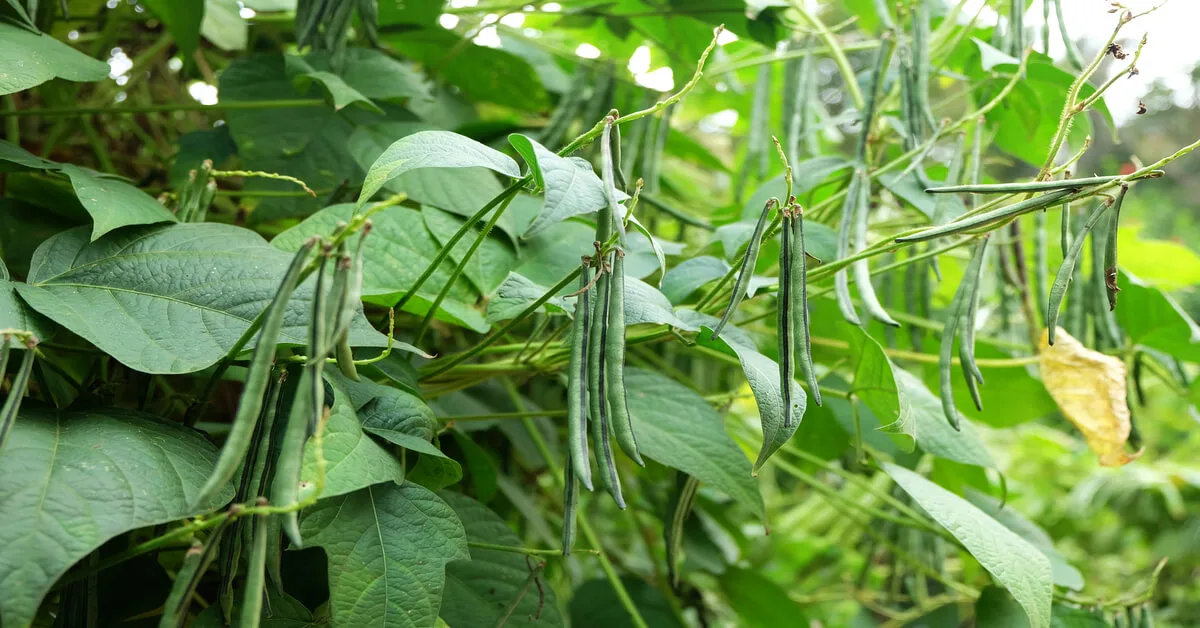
x=440 y=315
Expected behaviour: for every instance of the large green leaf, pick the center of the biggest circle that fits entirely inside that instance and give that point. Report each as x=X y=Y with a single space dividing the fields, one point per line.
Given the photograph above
x=114 y=203
x=398 y=249
x=75 y=479
x=572 y=188
x=353 y=459
x=688 y=276
x=595 y=605
x=310 y=143
x=492 y=261
x=303 y=76
x=28 y=59
x=481 y=590
x=394 y=415
x=763 y=375
x=388 y=546
x=916 y=416
x=1013 y=562
x=433 y=149
x=1064 y=574
x=678 y=428
x=15 y=314
x=182 y=20
x=759 y=601
x=518 y=293
x=167 y=299
x=644 y=304
x=1151 y=318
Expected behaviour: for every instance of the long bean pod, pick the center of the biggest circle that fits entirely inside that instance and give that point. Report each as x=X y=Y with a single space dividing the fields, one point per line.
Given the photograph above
x=954 y=316
x=577 y=384
x=601 y=423
x=749 y=260
x=995 y=215
x=1073 y=55
x=570 y=506
x=862 y=267
x=12 y=405
x=614 y=362
x=683 y=498
x=921 y=61
x=1066 y=271
x=797 y=122
x=966 y=343
x=1110 y=250
x=257 y=375
x=256 y=563
x=799 y=303
x=1031 y=186
x=785 y=324
x=841 y=279
x=607 y=171
x=1041 y=263
x=195 y=562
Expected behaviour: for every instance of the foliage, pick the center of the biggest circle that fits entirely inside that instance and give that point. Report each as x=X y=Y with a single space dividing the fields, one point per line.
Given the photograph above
x=340 y=348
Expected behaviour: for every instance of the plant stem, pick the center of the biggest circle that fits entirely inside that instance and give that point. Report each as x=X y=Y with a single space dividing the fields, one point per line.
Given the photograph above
x=929 y=358
x=526 y=550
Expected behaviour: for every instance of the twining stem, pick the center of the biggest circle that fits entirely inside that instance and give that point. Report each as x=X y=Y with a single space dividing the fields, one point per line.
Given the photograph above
x=527 y=550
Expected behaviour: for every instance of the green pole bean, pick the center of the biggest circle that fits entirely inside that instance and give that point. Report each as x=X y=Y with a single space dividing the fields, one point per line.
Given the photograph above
x=257 y=376
x=577 y=383
x=841 y=279
x=799 y=302
x=749 y=261
x=966 y=343
x=954 y=316
x=255 y=585
x=597 y=399
x=1031 y=186
x=12 y=405
x=785 y=324
x=862 y=267
x=1110 y=250
x=683 y=498
x=995 y=215
x=1066 y=271
x=195 y=562
x=570 y=506
x=614 y=362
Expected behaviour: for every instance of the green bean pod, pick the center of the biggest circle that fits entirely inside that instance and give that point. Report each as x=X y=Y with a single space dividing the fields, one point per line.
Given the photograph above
x=195 y=562
x=915 y=278
x=841 y=279
x=577 y=383
x=12 y=405
x=785 y=324
x=657 y=145
x=1066 y=271
x=1073 y=55
x=966 y=343
x=683 y=498
x=614 y=362
x=5 y=339
x=995 y=215
x=335 y=302
x=349 y=307
x=921 y=61
x=798 y=276
x=1104 y=324
x=760 y=120
x=260 y=471
x=797 y=120
x=608 y=172
x=1017 y=27
x=954 y=316
x=1031 y=186
x=1041 y=263
x=1110 y=251
x=862 y=267
x=570 y=506
x=749 y=261
x=618 y=171
x=257 y=376
x=255 y=585
x=1064 y=236
x=600 y=421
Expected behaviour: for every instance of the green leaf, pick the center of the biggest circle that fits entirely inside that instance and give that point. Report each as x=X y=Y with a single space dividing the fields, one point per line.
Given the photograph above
x=896 y=395
x=518 y=293
x=279 y=611
x=759 y=601
x=75 y=479
x=182 y=20
x=397 y=416
x=492 y=261
x=433 y=149
x=397 y=250
x=168 y=299
x=1064 y=574
x=15 y=154
x=479 y=591
x=28 y=60
x=436 y=472
x=678 y=428
x=990 y=57
x=114 y=203
x=1013 y=562
x=996 y=607
x=1166 y=264
x=1151 y=318
x=482 y=73
x=303 y=76
x=556 y=251
x=388 y=546
x=763 y=375
x=376 y=75
x=310 y=143
x=572 y=187
x=15 y=314
x=353 y=460
x=691 y=274
x=595 y=605
x=644 y=304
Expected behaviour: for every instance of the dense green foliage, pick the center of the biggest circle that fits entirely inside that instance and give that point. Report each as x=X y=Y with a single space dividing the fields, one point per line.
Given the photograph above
x=320 y=349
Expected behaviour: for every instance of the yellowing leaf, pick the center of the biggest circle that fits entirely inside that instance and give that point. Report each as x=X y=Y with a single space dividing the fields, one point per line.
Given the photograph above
x=1089 y=388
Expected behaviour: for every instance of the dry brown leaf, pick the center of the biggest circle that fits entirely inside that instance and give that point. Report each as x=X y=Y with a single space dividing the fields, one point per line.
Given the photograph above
x=1089 y=388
